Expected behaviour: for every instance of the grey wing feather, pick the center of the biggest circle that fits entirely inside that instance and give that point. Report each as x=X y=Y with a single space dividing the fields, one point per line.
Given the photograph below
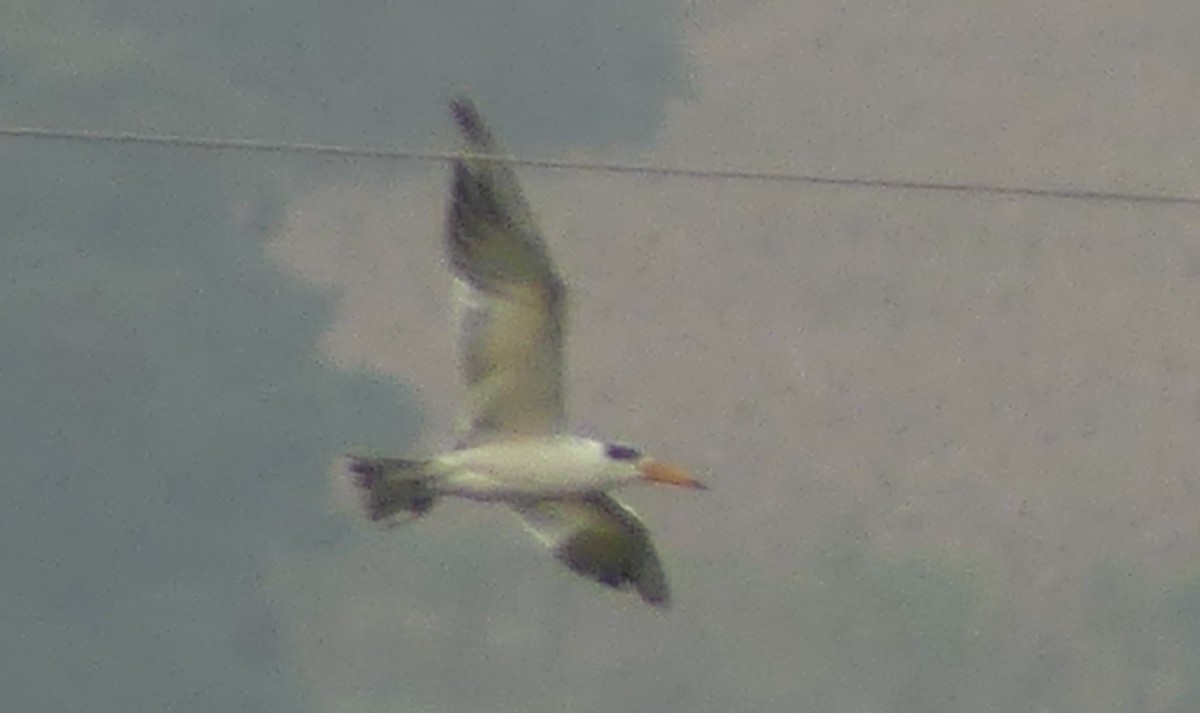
x=600 y=538
x=513 y=322
x=513 y=300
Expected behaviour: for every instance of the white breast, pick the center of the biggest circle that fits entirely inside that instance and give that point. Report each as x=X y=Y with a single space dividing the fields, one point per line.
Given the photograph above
x=529 y=466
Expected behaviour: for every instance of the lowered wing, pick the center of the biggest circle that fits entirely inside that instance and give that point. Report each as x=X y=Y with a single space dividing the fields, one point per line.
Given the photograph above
x=600 y=538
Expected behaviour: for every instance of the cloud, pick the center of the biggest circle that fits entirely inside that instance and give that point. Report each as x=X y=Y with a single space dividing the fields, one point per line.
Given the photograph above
x=993 y=396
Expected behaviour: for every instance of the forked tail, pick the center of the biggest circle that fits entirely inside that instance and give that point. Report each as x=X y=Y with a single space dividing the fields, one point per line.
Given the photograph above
x=391 y=485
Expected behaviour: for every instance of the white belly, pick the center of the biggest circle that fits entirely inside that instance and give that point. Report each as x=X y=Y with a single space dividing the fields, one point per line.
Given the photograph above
x=506 y=470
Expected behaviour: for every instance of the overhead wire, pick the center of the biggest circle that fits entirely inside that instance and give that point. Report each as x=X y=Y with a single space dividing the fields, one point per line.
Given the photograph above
x=350 y=152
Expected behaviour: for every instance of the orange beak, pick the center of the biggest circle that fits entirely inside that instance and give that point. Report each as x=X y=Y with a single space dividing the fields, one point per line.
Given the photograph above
x=657 y=472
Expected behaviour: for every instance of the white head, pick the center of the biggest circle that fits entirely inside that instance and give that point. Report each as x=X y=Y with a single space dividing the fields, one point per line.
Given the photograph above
x=628 y=464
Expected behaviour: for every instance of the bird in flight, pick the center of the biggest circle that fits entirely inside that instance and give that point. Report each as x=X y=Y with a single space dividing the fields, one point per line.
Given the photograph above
x=514 y=447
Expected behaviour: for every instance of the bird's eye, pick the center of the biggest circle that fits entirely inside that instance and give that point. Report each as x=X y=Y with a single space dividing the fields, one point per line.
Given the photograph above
x=616 y=451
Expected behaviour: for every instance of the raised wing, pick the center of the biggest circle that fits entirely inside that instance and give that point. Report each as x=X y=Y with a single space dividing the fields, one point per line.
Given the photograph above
x=600 y=538
x=514 y=304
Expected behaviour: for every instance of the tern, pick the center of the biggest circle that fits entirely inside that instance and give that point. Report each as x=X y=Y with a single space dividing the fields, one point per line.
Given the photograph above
x=514 y=447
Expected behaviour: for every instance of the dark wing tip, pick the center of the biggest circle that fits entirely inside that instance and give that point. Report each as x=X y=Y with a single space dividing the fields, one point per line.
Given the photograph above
x=618 y=559
x=651 y=582
x=655 y=598
x=470 y=123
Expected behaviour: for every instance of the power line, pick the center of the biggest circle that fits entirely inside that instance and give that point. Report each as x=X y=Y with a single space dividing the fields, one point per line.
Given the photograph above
x=335 y=151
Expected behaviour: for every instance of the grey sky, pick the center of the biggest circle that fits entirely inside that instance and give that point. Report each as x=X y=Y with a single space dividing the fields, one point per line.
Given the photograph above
x=951 y=439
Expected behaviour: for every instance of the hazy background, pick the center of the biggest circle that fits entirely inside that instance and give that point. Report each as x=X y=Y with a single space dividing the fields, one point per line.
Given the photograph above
x=952 y=439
